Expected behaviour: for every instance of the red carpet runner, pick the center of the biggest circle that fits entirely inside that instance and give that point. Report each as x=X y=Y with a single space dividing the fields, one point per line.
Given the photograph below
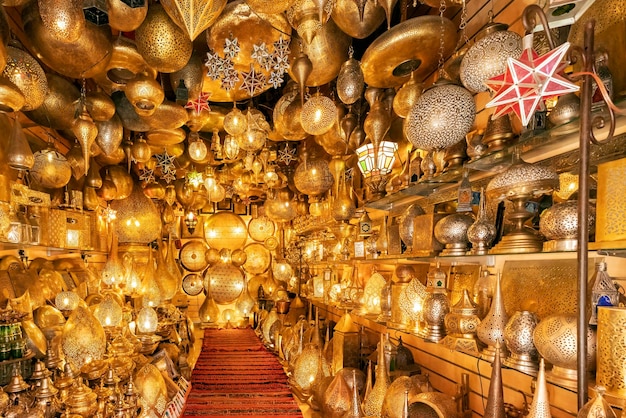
x=235 y=376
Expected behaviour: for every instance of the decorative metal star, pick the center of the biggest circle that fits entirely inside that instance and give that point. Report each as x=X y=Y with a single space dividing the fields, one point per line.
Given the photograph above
x=199 y=104
x=166 y=163
x=146 y=174
x=528 y=81
x=169 y=177
x=260 y=54
x=276 y=79
x=215 y=65
x=230 y=79
x=280 y=63
x=253 y=81
x=287 y=155
x=281 y=47
x=231 y=47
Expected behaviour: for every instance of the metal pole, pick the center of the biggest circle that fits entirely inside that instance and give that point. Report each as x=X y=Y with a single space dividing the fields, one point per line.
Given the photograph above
x=583 y=227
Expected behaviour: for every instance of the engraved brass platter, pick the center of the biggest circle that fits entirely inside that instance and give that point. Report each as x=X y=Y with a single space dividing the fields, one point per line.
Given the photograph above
x=410 y=45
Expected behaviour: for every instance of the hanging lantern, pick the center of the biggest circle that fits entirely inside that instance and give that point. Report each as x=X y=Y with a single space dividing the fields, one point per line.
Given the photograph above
x=147 y=320
x=95 y=11
x=196 y=149
x=407 y=96
x=138 y=220
x=63 y=18
x=86 y=132
x=161 y=42
x=19 y=155
x=280 y=208
x=140 y=150
x=235 y=122
x=66 y=301
x=375 y=163
x=113 y=270
x=488 y=56
x=313 y=177
x=319 y=114
x=350 y=83
x=144 y=93
x=51 y=169
x=27 y=75
x=441 y=117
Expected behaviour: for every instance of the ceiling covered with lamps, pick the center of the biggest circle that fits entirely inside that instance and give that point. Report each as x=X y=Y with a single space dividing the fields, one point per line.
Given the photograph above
x=240 y=93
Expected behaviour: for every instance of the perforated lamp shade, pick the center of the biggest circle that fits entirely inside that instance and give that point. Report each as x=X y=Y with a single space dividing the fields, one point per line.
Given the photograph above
x=225 y=230
x=376 y=159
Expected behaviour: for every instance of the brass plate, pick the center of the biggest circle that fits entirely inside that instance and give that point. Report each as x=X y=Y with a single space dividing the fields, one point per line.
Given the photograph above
x=259 y=258
x=193 y=284
x=192 y=256
x=412 y=44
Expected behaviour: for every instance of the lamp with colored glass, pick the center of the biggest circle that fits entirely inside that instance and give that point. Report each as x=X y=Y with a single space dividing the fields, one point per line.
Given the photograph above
x=375 y=162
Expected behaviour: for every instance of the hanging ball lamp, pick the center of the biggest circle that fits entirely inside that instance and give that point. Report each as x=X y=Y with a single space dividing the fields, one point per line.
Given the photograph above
x=350 y=83
x=313 y=177
x=488 y=56
x=25 y=72
x=225 y=230
x=196 y=149
x=319 y=114
x=51 y=169
x=63 y=19
x=235 y=122
x=441 y=117
x=140 y=150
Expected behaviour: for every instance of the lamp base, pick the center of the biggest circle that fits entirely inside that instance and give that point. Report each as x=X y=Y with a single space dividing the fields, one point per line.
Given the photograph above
x=563 y=377
x=454 y=250
x=560 y=245
x=519 y=241
x=434 y=333
x=522 y=362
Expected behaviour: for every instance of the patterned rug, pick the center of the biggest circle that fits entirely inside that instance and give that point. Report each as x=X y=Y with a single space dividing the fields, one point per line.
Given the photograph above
x=235 y=376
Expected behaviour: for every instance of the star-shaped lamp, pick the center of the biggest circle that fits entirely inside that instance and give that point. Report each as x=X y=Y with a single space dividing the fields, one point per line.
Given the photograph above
x=199 y=104
x=528 y=81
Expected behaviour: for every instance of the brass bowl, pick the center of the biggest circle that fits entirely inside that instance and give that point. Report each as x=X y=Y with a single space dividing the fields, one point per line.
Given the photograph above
x=390 y=58
x=84 y=58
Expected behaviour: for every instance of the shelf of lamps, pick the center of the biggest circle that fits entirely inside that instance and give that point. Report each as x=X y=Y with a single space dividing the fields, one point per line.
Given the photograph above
x=51 y=253
x=533 y=148
x=445 y=366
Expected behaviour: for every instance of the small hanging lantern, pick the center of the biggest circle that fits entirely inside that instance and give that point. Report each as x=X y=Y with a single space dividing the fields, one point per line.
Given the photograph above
x=134 y=3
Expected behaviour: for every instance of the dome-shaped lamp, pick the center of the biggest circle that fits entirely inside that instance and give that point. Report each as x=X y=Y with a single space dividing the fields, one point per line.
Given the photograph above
x=138 y=220
x=140 y=150
x=441 y=117
x=196 y=149
x=312 y=176
x=108 y=312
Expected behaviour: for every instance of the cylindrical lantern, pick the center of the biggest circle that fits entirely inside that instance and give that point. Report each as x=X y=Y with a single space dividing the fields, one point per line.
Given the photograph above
x=611 y=356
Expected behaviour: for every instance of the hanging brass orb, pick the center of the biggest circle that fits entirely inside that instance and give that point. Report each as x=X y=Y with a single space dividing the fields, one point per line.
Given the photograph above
x=163 y=45
x=193 y=16
x=125 y=18
x=407 y=95
x=359 y=19
x=488 y=56
x=83 y=339
x=441 y=117
x=327 y=51
x=51 y=169
x=107 y=190
x=93 y=178
x=313 y=177
x=25 y=72
x=84 y=58
x=63 y=19
x=110 y=133
x=318 y=115
x=350 y=82
x=141 y=151
x=144 y=93
x=270 y=7
x=235 y=122
x=59 y=105
x=287 y=113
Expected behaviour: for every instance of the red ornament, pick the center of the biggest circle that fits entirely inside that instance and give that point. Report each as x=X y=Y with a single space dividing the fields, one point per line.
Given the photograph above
x=528 y=81
x=199 y=104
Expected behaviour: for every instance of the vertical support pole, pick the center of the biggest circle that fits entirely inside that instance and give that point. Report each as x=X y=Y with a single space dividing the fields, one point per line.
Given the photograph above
x=583 y=226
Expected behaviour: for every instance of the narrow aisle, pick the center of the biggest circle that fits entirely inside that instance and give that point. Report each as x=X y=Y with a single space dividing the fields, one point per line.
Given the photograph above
x=235 y=376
